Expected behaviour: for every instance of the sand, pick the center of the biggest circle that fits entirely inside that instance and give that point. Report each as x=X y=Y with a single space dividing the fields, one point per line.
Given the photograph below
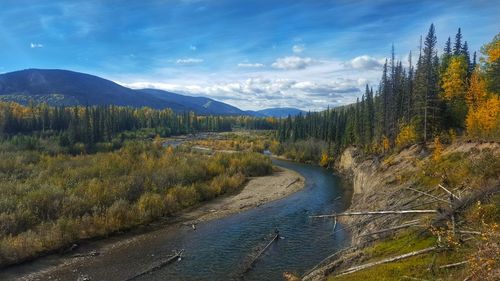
x=257 y=191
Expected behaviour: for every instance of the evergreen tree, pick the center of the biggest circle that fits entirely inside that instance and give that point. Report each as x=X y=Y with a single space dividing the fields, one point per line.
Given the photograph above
x=457 y=48
x=426 y=87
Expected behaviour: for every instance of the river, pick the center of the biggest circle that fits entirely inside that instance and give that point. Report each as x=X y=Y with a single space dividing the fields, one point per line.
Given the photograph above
x=222 y=249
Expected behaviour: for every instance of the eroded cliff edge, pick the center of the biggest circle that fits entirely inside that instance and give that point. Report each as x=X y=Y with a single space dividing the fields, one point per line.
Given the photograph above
x=389 y=183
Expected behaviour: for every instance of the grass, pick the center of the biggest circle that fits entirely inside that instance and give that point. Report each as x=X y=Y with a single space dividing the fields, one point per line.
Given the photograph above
x=415 y=267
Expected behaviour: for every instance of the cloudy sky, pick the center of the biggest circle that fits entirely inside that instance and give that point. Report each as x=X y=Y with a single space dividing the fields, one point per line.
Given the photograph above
x=253 y=54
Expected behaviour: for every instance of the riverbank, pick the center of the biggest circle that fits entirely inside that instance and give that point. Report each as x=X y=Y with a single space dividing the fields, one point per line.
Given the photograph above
x=256 y=192
x=408 y=180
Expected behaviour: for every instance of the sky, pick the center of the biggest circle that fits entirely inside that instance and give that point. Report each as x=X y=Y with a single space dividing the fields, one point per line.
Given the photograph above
x=252 y=54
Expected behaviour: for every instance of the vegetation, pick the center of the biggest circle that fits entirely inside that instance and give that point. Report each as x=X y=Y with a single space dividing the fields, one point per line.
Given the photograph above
x=50 y=201
x=77 y=126
x=437 y=97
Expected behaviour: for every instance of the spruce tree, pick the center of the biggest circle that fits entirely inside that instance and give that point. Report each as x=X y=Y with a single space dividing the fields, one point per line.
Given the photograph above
x=457 y=48
x=426 y=87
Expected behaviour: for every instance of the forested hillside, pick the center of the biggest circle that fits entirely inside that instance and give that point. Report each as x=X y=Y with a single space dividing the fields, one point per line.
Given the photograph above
x=77 y=127
x=442 y=95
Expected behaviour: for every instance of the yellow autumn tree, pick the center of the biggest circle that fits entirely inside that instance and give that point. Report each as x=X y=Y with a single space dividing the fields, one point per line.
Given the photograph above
x=454 y=84
x=438 y=149
x=386 y=145
x=325 y=159
x=483 y=122
x=454 y=79
x=477 y=92
x=407 y=136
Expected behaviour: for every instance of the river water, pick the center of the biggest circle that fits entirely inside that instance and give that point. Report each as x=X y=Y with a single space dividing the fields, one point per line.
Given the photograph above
x=222 y=249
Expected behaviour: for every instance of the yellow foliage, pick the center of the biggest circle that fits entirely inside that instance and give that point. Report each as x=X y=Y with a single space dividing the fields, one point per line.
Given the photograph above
x=325 y=159
x=407 y=136
x=477 y=93
x=386 y=145
x=454 y=79
x=438 y=149
x=493 y=51
x=484 y=121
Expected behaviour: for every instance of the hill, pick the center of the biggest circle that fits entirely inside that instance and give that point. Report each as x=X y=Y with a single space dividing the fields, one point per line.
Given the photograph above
x=63 y=87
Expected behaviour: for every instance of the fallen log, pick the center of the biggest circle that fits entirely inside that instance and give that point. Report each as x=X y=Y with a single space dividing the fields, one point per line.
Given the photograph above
x=177 y=256
x=377 y=213
x=256 y=258
x=391 y=259
x=427 y=194
x=296 y=180
x=453 y=264
x=449 y=192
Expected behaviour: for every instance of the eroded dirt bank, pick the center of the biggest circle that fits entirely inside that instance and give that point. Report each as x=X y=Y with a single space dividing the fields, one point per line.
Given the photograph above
x=386 y=183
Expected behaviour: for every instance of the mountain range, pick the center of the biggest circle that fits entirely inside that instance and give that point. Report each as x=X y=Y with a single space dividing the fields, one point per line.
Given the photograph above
x=64 y=87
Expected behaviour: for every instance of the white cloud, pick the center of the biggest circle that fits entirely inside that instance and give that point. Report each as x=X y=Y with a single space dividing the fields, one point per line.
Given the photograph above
x=193 y=48
x=292 y=62
x=365 y=62
x=250 y=65
x=308 y=83
x=189 y=61
x=298 y=48
x=35 y=45
x=258 y=93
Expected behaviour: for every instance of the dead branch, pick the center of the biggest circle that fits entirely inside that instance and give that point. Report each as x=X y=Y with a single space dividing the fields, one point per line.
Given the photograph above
x=427 y=194
x=321 y=263
x=413 y=278
x=396 y=258
x=377 y=213
x=296 y=180
x=276 y=237
x=469 y=232
x=453 y=264
x=449 y=192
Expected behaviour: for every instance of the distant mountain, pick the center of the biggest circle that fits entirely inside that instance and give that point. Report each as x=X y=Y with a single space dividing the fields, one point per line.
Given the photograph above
x=63 y=87
x=280 y=112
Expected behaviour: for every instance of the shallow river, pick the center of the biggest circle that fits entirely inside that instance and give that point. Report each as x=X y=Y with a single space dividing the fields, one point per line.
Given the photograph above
x=222 y=249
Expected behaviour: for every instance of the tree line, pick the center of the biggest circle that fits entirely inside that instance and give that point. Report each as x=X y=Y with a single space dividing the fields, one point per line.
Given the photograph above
x=94 y=124
x=438 y=97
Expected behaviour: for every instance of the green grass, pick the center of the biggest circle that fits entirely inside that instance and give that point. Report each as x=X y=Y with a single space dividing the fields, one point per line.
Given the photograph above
x=415 y=267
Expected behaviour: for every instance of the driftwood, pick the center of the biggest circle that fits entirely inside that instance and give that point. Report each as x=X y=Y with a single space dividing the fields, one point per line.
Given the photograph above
x=453 y=264
x=325 y=260
x=427 y=194
x=413 y=278
x=256 y=258
x=296 y=180
x=396 y=258
x=449 y=192
x=377 y=213
x=469 y=232
x=177 y=256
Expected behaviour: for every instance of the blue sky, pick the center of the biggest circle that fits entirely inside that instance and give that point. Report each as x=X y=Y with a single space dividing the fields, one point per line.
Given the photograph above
x=252 y=54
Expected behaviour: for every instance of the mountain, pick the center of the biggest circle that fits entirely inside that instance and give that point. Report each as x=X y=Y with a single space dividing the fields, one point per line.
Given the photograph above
x=280 y=112
x=63 y=87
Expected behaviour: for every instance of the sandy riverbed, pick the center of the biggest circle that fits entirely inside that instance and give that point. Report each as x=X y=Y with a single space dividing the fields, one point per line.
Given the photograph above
x=256 y=192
